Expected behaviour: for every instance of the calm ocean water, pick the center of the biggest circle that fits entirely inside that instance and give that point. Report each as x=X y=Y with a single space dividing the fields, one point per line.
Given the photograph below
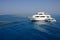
x=14 y=28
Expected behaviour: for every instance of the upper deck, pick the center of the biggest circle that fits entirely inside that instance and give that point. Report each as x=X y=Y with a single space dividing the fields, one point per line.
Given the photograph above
x=40 y=13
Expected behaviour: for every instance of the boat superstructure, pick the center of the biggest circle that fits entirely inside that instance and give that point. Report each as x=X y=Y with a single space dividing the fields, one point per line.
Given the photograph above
x=41 y=16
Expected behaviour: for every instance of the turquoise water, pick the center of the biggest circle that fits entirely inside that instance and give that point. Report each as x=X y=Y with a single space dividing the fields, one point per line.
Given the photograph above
x=14 y=28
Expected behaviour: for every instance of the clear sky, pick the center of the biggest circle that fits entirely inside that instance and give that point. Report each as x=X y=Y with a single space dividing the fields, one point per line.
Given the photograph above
x=29 y=6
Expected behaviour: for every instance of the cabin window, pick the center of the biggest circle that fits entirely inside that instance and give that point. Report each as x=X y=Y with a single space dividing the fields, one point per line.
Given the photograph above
x=52 y=19
x=47 y=16
x=36 y=16
x=42 y=16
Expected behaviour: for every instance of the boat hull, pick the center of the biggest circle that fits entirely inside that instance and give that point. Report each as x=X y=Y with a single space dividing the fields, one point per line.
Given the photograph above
x=50 y=20
x=38 y=20
x=43 y=20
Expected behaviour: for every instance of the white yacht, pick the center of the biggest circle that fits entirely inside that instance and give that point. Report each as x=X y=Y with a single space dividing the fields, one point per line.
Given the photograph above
x=41 y=16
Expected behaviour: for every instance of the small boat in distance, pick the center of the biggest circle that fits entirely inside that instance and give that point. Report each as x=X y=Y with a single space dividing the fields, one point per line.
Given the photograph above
x=41 y=16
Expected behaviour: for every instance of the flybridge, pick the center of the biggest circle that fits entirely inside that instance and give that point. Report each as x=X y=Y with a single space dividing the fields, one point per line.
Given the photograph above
x=40 y=13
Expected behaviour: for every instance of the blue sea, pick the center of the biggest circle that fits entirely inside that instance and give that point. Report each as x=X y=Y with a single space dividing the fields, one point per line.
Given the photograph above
x=21 y=28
